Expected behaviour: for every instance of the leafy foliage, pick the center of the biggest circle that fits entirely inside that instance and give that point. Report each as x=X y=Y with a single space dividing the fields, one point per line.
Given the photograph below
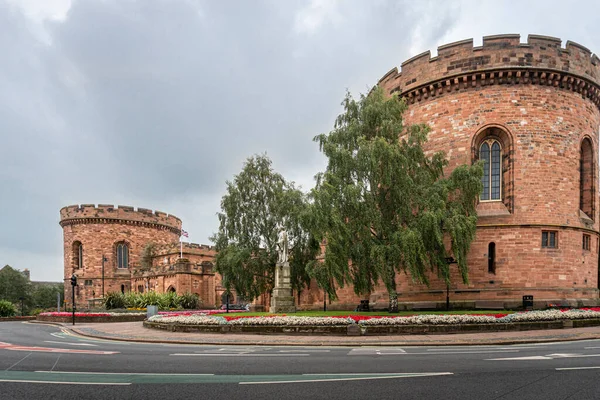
x=114 y=300
x=189 y=301
x=164 y=301
x=257 y=200
x=44 y=295
x=14 y=285
x=7 y=309
x=384 y=204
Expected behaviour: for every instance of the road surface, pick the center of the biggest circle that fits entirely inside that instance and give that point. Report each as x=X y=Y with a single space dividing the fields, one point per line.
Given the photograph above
x=44 y=362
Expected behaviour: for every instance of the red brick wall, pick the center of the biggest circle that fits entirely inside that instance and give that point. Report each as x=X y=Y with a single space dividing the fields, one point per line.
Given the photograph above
x=541 y=102
x=98 y=234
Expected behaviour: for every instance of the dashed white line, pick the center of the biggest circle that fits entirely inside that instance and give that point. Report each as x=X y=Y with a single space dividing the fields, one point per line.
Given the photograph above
x=397 y=376
x=238 y=355
x=72 y=344
x=66 y=383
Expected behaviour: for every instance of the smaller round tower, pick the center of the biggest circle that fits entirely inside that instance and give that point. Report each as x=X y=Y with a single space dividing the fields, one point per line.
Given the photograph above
x=103 y=244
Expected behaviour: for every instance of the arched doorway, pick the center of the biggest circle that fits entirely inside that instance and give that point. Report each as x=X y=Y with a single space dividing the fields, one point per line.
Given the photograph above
x=171 y=289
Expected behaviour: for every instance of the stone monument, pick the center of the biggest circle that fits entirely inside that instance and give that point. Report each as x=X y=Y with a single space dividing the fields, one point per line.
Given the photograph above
x=282 y=300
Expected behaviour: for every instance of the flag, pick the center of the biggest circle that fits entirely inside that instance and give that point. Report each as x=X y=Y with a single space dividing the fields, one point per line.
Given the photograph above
x=184 y=233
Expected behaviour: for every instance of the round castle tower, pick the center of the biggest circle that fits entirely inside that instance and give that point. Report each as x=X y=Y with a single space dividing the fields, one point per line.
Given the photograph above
x=119 y=234
x=530 y=111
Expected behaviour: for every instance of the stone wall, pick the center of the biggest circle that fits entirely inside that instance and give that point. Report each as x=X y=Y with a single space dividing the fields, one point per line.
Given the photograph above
x=540 y=101
x=99 y=229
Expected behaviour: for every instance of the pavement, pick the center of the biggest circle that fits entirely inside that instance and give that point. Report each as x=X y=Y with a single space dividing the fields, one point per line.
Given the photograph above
x=135 y=332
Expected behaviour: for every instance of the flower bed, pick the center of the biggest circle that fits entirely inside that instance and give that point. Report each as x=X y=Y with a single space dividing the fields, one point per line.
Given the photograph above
x=370 y=325
x=91 y=317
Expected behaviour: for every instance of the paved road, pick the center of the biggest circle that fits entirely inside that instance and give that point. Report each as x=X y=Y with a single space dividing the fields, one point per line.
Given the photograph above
x=43 y=362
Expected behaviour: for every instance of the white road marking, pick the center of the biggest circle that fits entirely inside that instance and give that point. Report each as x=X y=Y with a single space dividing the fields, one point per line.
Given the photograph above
x=465 y=352
x=238 y=355
x=72 y=344
x=494 y=348
x=546 y=357
x=378 y=351
x=595 y=347
x=570 y=355
x=528 y=358
x=120 y=373
x=353 y=379
x=372 y=373
x=66 y=383
x=575 y=368
x=308 y=351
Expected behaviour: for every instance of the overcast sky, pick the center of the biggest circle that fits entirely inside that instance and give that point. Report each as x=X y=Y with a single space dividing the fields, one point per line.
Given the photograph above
x=156 y=103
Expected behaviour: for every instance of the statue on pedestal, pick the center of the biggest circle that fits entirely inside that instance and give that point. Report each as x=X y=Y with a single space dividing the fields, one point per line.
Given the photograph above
x=282 y=246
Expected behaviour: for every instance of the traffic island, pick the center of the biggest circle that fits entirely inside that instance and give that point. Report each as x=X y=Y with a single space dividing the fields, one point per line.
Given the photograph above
x=369 y=330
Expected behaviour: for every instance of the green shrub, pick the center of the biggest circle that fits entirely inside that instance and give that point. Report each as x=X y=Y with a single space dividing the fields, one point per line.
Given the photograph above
x=164 y=301
x=190 y=301
x=7 y=309
x=114 y=300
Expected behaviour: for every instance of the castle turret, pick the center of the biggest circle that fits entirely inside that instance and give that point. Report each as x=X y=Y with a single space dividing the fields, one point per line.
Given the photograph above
x=103 y=243
x=530 y=112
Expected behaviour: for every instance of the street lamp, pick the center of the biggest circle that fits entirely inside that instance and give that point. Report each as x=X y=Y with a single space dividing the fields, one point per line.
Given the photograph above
x=73 y=285
x=103 y=260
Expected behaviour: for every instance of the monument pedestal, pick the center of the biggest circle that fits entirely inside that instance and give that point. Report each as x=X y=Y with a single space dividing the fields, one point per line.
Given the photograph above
x=282 y=300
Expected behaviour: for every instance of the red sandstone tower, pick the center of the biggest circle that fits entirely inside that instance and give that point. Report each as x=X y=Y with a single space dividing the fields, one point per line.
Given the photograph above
x=530 y=111
x=118 y=234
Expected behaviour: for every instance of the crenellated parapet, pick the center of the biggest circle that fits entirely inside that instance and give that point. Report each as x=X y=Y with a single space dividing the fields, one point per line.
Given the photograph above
x=108 y=213
x=188 y=248
x=502 y=59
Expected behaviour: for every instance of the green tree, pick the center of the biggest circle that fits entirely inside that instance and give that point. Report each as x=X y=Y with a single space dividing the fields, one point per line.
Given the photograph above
x=256 y=201
x=44 y=295
x=14 y=285
x=384 y=206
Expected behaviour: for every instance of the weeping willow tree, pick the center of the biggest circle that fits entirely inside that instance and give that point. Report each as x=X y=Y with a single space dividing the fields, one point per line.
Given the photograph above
x=256 y=201
x=383 y=206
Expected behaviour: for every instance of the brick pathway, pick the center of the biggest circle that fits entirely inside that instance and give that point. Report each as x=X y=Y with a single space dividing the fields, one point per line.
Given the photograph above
x=134 y=331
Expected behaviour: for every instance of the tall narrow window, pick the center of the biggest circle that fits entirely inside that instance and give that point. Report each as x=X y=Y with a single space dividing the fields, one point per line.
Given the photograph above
x=77 y=255
x=492 y=258
x=586 y=178
x=587 y=239
x=122 y=255
x=490 y=153
x=549 y=239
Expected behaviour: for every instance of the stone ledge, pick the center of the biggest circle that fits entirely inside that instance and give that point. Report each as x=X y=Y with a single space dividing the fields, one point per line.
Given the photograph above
x=372 y=330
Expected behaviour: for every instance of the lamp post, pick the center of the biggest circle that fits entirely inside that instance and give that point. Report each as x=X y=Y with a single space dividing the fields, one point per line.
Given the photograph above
x=73 y=285
x=103 y=260
x=449 y=260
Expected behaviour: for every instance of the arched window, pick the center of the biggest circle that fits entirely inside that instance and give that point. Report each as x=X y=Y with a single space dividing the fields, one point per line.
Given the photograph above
x=490 y=152
x=586 y=178
x=492 y=258
x=77 y=255
x=122 y=255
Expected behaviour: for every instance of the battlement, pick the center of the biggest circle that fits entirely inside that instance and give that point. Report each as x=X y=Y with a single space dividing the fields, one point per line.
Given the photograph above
x=110 y=213
x=542 y=54
x=189 y=248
